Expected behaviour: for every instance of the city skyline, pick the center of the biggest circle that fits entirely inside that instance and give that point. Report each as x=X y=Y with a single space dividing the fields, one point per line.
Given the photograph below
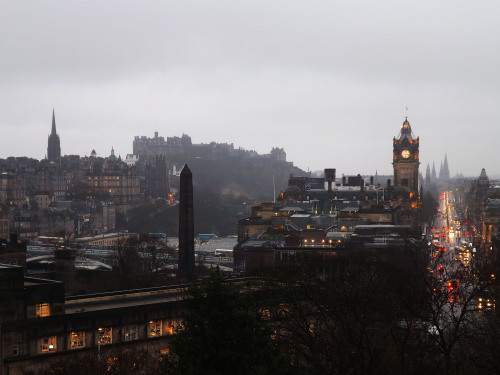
x=329 y=83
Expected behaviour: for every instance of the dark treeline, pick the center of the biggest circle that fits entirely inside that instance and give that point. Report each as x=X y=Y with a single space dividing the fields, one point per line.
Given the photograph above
x=364 y=315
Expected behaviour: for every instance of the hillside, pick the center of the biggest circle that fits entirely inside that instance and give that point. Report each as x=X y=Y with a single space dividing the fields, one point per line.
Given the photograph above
x=224 y=186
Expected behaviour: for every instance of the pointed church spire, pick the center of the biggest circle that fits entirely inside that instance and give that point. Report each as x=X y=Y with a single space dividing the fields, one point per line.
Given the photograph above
x=53 y=122
x=446 y=170
x=54 y=143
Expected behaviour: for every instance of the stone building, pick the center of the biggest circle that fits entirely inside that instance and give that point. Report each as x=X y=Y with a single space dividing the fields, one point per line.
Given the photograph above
x=12 y=189
x=491 y=214
x=406 y=193
x=39 y=326
x=113 y=181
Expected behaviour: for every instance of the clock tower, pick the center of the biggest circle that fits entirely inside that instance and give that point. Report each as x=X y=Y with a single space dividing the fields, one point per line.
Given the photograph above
x=405 y=160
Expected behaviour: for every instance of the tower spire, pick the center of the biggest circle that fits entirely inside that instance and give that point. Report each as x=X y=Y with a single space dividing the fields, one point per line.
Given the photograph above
x=54 y=144
x=53 y=122
x=446 y=170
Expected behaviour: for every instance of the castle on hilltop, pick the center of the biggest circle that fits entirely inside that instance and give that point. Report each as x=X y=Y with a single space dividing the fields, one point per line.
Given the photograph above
x=149 y=149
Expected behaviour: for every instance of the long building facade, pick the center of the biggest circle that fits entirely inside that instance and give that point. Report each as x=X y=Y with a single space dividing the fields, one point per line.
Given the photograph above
x=40 y=327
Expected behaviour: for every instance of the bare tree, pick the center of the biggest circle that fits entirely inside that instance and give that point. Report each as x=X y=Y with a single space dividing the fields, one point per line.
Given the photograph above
x=113 y=360
x=157 y=256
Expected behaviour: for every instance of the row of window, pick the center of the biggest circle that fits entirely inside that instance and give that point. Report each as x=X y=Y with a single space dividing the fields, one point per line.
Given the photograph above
x=105 y=178
x=104 y=335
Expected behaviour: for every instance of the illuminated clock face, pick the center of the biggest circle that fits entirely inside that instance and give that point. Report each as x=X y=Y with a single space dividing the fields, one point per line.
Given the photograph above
x=405 y=154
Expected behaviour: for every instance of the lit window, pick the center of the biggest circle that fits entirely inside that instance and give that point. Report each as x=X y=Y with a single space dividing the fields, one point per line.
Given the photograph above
x=130 y=333
x=105 y=336
x=42 y=310
x=311 y=329
x=154 y=328
x=266 y=314
x=112 y=363
x=48 y=344
x=177 y=326
x=169 y=330
x=173 y=327
x=274 y=334
x=77 y=340
x=284 y=309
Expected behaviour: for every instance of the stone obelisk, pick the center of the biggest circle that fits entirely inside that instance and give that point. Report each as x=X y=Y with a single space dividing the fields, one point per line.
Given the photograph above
x=186 y=226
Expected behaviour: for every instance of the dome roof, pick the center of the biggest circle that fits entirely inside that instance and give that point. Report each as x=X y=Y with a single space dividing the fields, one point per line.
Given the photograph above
x=112 y=157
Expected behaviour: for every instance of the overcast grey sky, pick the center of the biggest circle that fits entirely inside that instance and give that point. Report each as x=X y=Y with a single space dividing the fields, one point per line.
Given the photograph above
x=329 y=81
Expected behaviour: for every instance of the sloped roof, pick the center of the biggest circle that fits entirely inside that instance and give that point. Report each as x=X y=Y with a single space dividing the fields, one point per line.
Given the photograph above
x=291 y=208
